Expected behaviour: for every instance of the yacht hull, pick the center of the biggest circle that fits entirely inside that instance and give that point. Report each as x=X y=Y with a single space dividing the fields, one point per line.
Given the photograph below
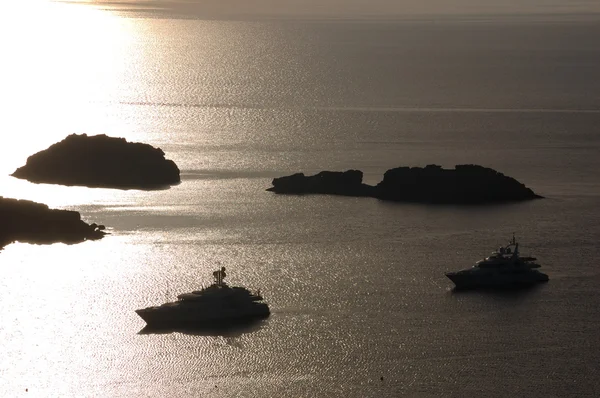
x=471 y=281
x=193 y=317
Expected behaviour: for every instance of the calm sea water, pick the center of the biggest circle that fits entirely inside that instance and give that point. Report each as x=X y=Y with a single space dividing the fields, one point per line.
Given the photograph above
x=360 y=304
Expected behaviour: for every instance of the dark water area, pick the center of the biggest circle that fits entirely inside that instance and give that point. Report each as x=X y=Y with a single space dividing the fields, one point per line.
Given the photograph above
x=360 y=305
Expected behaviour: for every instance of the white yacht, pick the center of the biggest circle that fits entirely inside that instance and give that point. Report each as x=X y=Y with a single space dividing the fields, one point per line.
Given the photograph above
x=503 y=268
x=215 y=305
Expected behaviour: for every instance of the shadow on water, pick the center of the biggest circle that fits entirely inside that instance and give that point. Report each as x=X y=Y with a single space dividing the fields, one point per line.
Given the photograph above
x=513 y=293
x=233 y=330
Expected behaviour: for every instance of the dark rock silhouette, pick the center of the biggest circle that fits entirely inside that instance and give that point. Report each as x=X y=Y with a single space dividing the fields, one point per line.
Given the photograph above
x=31 y=222
x=348 y=183
x=465 y=184
x=101 y=161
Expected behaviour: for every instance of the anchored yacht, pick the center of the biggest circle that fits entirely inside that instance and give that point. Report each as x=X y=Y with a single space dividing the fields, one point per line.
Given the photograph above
x=503 y=268
x=215 y=305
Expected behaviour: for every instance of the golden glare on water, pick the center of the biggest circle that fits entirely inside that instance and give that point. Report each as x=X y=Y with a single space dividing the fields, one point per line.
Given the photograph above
x=62 y=66
x=49 y=305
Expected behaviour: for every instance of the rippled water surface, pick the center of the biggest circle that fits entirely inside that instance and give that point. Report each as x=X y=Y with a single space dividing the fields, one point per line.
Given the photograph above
x=360 y=304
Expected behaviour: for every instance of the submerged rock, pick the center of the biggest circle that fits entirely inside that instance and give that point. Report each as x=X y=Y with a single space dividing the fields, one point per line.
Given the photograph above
x=465 y=184
x=101 y=161
x=31 y=222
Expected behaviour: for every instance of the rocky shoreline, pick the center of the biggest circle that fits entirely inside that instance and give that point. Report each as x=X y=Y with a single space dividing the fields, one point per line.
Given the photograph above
x=32 y=222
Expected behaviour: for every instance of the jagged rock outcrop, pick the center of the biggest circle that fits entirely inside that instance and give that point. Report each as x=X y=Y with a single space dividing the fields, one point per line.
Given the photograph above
x=101 y=161
x=465 y=184
x=31 y=222
x=348 y=183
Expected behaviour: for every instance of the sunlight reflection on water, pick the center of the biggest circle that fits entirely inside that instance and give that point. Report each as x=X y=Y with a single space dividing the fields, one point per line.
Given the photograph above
x=81 y=50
